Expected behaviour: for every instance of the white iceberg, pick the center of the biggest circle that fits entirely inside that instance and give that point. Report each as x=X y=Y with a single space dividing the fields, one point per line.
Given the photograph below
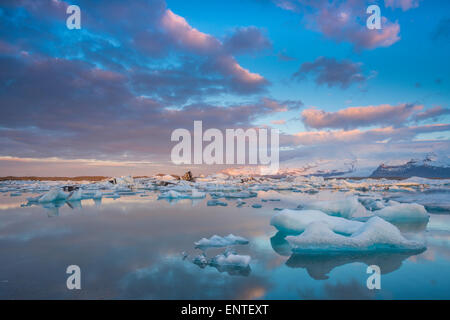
x=398 y=212
x=348 y=208
x=374 y=235
x=75 y=195
x=195 y=194
x=53 y=195
x=296 y=221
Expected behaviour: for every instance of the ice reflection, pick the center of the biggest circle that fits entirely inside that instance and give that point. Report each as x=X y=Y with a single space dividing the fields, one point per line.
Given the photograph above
x=319 y=266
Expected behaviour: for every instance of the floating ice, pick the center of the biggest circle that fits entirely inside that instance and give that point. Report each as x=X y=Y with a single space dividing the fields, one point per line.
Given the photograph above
x=214 y=203
x=403 y=212
x=53 y=195
x=75 y=195
x=195 y=194
x=256 y=206
x=97 y=195
x=347 y=208
x=172 y=195
x=217 y=241
x=296 y=221
x=374 y=235
x=242 y=194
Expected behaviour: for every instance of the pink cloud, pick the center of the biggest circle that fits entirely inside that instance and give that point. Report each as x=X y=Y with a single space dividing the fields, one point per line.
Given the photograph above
x=186 y=35
x=354 y=117
x=190 y=38
x=344 y=21
x=369 y=136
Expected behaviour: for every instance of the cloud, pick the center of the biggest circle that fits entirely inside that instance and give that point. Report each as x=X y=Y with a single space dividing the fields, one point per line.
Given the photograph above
x=355 y=117
x=403 y=4
x=246 y=40
x=344 y=21
x=187 y=36
x=278 y=122
x=156 y=33
x=96 y=113
x=331 y=72
x=356 y=136
x=433 y=113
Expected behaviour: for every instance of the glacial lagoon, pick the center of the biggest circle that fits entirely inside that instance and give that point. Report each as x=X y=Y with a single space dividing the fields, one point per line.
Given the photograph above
x=140 y=244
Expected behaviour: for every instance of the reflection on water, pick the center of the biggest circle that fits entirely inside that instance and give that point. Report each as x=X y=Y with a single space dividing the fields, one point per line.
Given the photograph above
x=131 y=247
x=319 y=266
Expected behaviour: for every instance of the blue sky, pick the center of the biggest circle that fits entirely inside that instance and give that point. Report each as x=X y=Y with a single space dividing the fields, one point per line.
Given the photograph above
x=335 y=89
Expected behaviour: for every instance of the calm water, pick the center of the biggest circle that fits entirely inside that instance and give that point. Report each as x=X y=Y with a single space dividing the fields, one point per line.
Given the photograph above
x=130 y=248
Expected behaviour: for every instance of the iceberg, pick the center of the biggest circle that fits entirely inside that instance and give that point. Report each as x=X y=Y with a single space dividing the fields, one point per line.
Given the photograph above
x=97 y=195
x=241 y=195
x=214 y=203
x=348 y=208
x=53 y=195
x=172 y=195
x=217 y=241
x=76 y=195
x=197 y=194
x=403 y=212
x=296 y=221
x=374 y=235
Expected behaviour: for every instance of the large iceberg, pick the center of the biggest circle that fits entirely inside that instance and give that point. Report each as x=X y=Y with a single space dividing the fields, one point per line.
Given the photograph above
x=296 y=221
x=374 y=235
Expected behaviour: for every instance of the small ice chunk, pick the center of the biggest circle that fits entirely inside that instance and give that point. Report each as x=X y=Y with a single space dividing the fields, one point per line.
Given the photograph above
x=242 y=194
x=197 y=194
x=256 y=206
x=218 y=241
x=171 y=195
x=374 y=235
x=296 y=221
x=214 y=203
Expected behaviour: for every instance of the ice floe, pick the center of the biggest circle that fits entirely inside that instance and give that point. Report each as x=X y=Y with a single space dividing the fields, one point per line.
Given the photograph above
x=347 y=208
x=403 y=212
x=296 y=221
x=374 y=235
x=217 y=241
x=53 y=195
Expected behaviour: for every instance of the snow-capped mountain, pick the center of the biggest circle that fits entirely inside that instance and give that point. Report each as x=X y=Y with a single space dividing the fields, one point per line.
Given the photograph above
x=429 y=167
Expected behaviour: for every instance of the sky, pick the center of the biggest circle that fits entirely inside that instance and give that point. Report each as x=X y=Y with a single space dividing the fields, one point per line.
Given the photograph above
x=104 y=99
